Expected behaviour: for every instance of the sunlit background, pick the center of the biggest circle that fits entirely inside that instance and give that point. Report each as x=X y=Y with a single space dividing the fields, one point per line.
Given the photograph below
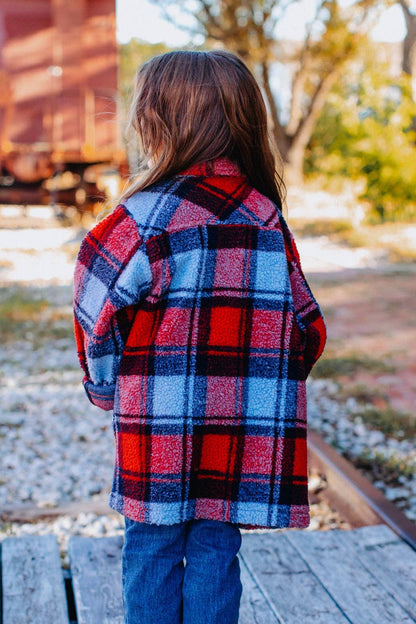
x=343 y=101
x=144 y=20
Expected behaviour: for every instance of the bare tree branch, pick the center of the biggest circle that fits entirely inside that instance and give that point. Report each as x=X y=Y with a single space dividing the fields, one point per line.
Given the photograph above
x=298 y=81
x=247 y=27
x=163 y=6
x=279 y=133
x=306 y=126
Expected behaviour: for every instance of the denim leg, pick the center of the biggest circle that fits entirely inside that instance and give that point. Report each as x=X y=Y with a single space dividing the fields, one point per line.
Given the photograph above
x=211 y=586
x=152 y=572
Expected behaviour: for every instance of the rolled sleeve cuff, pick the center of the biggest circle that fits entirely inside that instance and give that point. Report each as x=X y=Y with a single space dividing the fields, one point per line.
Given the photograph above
x=100 y=395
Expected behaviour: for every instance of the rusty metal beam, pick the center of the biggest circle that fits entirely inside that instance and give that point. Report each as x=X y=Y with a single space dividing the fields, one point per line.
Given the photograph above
x=356 y=498
x=28 y=512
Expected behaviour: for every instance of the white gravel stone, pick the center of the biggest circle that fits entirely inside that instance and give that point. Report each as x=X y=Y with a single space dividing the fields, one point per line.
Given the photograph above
x=339 y=425
x=85 y=524
x=375 y=437
x=58 y=448
x=396 y=493
x=314 y=524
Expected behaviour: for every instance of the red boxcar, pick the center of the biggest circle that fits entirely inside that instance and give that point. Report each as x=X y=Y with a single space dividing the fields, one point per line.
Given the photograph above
x=58 y=89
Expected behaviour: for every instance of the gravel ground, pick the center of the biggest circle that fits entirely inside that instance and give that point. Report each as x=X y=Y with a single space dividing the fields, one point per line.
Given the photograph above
x=340 y=425
x=58 y=448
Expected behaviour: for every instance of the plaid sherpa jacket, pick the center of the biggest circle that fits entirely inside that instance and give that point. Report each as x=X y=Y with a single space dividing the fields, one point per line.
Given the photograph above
x=195 y=324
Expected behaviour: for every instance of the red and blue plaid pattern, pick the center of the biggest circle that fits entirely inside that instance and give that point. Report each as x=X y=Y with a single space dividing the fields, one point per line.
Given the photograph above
x=195 y=324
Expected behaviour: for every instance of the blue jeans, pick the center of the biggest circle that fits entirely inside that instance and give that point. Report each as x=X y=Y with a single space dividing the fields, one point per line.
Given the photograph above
x=159 y=587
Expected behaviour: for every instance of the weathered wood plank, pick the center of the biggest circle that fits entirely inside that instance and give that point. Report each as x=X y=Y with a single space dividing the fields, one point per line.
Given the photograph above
x=96 y=576
x=287 y=582
x=254 y=607
x=389 y=559
x=29 y=512
x=327 y=577
x=351 y=585
x=33 y=583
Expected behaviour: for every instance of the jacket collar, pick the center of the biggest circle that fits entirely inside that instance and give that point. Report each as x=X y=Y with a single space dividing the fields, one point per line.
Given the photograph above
x=217 y=167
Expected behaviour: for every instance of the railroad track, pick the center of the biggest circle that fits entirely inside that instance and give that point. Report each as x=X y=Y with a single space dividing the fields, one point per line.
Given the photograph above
x=352 y=495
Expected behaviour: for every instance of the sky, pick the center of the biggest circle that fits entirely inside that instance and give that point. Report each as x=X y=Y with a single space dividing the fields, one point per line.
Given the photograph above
x=142 y=19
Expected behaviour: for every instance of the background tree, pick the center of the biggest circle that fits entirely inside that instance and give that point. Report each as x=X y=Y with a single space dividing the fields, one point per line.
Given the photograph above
x=409 y=48
x=408 y=8
x=248 y=28
x=409 y=42
x=365 y=134
x=131 y=56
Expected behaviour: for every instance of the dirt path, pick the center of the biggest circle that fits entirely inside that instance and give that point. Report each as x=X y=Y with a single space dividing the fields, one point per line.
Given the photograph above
x=373 y=315
x=369 y=305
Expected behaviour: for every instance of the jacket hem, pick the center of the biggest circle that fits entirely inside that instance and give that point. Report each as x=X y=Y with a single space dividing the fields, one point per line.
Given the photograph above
x=282 y=516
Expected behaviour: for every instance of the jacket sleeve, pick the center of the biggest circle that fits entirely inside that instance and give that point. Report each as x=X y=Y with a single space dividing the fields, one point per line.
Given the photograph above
x=112 y=272
x=308 y=313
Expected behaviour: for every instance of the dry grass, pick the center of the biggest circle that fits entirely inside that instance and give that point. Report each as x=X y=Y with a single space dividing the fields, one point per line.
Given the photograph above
x=330 y=366
x=24 y=316
x=322 y=227
x=363 y=394
x=393 y=238
x=402 y=254
x=383 y=468
x=389 y=421
x=18 y=308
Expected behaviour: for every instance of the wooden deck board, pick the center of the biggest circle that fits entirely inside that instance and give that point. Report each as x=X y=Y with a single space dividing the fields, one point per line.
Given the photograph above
x=287 y=581
x=96 y=578
x=32 y=579
x=254 y=606
x=341 y=572
x=323 y=577
x=389 y=559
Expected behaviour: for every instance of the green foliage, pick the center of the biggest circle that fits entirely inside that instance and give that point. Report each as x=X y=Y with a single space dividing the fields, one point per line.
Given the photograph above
x=131 y=56
x=366 y=131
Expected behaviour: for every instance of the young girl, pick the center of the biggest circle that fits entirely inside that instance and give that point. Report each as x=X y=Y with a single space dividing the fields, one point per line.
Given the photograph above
x=196 y=326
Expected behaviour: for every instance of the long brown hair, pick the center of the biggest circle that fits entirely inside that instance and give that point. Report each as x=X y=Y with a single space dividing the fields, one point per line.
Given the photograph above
x=190 y=107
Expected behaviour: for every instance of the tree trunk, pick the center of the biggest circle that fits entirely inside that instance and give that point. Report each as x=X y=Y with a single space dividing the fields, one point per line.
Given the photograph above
x=409 y=50
x=302 y=136
x=409 y=42
x=279 y=135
